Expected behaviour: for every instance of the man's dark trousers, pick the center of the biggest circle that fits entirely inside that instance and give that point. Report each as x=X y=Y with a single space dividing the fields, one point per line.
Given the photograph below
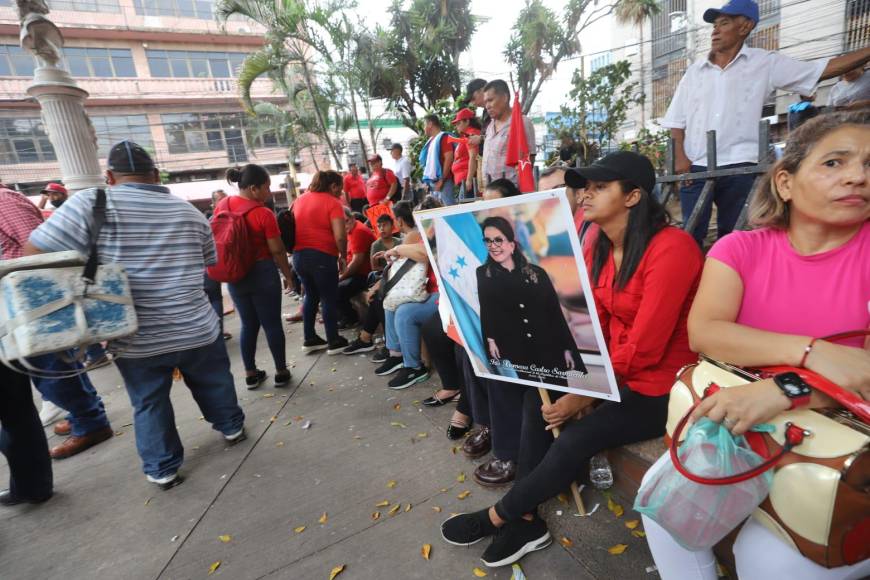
x=22 y=439
x=729 y=195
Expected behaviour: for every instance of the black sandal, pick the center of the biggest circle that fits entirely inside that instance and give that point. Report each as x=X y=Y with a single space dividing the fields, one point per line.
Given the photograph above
x=434 y=401
x=456 y=431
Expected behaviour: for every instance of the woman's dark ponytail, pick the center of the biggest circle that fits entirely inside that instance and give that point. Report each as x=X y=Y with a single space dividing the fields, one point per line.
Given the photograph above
x=248 y=175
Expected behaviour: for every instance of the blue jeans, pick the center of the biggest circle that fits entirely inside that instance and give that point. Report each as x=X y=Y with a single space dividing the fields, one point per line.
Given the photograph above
x=319 y=273
x=75 y=395
x=257 y=297
x=402 y=328
x=729 y=195
x=215 y=297
x=447 y=194
x=206 y=372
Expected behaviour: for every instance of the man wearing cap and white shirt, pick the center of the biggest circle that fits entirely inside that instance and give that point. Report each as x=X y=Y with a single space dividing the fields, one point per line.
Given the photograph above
x=402 y=169
x=164 y=244
x=725 y=92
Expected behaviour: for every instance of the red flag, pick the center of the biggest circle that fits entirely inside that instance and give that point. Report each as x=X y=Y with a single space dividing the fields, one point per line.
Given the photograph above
x=518 y=149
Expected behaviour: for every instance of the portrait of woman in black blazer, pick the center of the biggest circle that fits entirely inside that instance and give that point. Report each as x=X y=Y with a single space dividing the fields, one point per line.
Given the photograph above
x=522 y=323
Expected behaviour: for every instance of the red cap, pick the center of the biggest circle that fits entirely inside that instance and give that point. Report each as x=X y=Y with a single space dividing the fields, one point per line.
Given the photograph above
x=375 y=157
x=462 y=115
x=55 y=188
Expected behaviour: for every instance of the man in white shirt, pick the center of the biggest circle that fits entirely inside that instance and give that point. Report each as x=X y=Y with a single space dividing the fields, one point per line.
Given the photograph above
x=852 y=91
x=402 y=169
x=725 y=92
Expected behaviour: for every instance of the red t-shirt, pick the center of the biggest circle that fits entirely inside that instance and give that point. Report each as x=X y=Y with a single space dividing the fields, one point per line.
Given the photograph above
x=359 y=241
x=378 y=185
x=355 y=187
x=262 y=224
x=461 y=159
x=644 y=323
x=314 y=212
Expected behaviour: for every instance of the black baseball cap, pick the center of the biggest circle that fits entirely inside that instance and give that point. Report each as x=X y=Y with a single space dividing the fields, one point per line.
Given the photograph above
x=129 y=157
x=625 y=165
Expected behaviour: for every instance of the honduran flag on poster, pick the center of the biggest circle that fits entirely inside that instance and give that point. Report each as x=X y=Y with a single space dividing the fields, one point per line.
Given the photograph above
x=460 y=250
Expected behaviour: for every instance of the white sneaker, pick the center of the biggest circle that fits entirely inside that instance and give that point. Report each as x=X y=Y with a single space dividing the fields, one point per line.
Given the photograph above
x=236 y=437
x=167 y=482
x=50 y=413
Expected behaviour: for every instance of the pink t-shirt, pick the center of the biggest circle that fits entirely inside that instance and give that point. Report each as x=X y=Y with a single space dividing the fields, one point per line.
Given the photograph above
x=788 y=293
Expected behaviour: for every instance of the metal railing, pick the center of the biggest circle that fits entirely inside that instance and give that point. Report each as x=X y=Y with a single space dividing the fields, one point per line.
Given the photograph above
x=671 y=182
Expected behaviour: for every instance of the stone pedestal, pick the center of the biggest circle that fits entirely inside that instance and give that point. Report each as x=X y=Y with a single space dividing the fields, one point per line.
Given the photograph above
x=68 y=127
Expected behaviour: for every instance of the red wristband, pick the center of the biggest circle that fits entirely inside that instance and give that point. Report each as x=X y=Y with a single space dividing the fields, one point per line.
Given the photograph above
x=807 y=351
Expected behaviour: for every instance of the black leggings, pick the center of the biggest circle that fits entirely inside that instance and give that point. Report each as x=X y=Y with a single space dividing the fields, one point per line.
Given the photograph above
x=374 y=316
x=442 y=351
x=547 y=467
x=22 y=438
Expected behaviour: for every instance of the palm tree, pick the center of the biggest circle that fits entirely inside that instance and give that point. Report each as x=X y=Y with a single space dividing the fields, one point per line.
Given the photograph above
x=637 y=12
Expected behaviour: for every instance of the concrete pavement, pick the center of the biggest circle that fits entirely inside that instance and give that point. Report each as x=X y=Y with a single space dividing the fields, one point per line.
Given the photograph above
x=107 y=522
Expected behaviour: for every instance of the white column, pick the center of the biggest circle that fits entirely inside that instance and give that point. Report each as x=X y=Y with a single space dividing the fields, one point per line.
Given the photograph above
x=68 y=127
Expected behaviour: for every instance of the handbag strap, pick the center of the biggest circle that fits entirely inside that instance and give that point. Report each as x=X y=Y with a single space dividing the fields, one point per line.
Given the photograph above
x=794 y=436
x=400 y=273
x=90 y=271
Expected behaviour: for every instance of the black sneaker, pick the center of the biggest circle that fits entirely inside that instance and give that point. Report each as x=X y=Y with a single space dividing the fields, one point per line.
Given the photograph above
x=381 y=355
x=337 y=345
x=282 y=378
x=515 y=540
x=407 y=377
x=255 y=381
x=314 y=344
x=358 y=346
x=467 y=529
x=391 y=365
x=347 y=324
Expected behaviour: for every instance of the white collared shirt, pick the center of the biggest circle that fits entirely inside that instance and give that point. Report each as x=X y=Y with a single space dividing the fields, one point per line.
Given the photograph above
x=730 y=100
x=402 y=168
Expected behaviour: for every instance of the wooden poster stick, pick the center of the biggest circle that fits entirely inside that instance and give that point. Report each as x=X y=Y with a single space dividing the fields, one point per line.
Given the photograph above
x=545 y=397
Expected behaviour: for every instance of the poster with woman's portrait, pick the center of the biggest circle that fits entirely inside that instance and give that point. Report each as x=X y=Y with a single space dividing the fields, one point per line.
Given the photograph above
x=514 y=285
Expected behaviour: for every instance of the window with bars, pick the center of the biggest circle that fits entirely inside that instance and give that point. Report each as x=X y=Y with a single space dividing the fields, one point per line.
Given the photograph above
x=599 y=61
x=105 y=6
x=24 y=141
x=766 y=38
x=190 y=64
x=667 y=44
x=99 y=62
x=15 y=61
x=114 y=128
x=857 y=24
x=664 y=84
x=201 y=132
x=200 y=9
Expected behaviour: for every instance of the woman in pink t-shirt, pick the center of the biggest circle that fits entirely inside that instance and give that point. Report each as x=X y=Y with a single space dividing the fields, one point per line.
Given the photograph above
x=804 y=273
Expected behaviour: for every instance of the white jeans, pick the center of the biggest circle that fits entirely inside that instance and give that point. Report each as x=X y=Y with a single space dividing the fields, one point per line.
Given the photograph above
x=759 y=554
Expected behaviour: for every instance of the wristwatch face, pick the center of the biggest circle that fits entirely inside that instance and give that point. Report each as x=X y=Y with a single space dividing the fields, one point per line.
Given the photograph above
x=792 y=385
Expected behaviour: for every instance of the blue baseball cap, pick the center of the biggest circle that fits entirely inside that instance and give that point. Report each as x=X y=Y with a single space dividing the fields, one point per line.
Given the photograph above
x=746 y=8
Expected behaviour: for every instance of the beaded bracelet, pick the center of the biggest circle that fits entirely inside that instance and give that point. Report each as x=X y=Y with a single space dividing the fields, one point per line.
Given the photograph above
x=807 y=350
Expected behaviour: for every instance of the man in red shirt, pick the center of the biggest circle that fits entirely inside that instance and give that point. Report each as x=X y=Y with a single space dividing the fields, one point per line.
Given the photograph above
x=355 y=188
x=382 y=183
x=354 y=278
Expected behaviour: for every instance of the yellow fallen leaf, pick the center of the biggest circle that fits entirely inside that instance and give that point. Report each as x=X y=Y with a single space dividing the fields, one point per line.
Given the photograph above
x=562 y=498
x=638 y=534
x=147 y=501
x=444 y=490
x=461 y=478
x=391 y=484
x=273 y=419
x=631 y=524
x=357 y=437
x=398 y=424
x=336 y=571
x=268 y=395
x=214 y=567
x=298 y=418
x=324 y=518
x=394 y=509
x=422 y=435
x=617 y=549
x=436 y=509
x=299 y=530
x=376 y=516
x=384 y=503
x=567 y=542
x=479 y=573
x=454 y=449
x=408 y=508
x=397 y=406
x=279 y=444
x=225 y=538
x=463 y=495
x=427 y=549
x=617 y=509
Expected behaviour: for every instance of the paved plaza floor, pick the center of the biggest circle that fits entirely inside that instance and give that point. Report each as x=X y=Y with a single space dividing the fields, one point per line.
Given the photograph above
x=245 y=506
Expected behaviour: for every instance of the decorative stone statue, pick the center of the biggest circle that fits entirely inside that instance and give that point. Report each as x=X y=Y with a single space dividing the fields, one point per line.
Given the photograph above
x=39 y=34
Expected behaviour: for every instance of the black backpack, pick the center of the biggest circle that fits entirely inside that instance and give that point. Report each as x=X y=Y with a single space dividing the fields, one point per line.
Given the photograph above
x=287 y=225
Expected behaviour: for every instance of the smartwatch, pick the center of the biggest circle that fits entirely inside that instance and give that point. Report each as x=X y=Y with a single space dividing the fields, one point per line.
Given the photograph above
x=795 y=388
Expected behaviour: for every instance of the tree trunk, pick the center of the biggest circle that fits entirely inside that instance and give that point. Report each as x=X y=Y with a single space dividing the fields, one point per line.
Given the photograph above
x=290 y=183
x=324 y=128
x=362 y=143
x=367 y=105
x=642 y=83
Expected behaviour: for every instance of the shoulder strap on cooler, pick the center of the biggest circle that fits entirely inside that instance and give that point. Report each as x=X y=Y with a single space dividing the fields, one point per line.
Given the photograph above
x=99 y=219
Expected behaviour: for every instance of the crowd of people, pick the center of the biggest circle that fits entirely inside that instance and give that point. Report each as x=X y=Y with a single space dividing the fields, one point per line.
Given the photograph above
x=659 y=300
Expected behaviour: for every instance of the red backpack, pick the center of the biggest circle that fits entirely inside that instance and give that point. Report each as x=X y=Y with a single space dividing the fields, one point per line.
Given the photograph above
x=235 y=254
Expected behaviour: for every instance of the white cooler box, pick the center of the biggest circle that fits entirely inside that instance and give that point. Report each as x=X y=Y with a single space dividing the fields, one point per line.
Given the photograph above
x=44 y=308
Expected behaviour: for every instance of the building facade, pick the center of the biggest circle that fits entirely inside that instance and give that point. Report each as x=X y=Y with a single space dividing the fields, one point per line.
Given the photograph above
x=160 y=72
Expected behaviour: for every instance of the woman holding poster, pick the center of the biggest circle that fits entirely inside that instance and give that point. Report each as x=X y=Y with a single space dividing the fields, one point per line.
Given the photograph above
x=520 y=315
x=644 y=274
